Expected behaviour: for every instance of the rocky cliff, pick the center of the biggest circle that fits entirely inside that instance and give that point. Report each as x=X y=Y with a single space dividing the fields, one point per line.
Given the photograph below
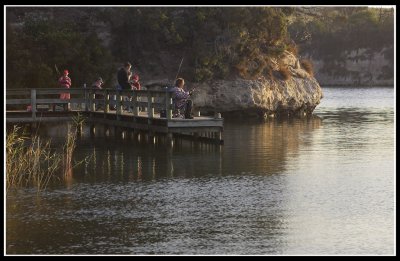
x=264 y=97
x=357 y=68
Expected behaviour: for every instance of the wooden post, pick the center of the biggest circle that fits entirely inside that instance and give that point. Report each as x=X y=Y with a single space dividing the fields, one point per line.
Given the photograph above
x=168 y=104
x=106 y=102
x=92 y=104
x=86 y=99
x=33 y=103
x=92 y=130
x=105 y=128
x=218 y=137
x=150 y=109
x=119 y=105
x=135 y=104
x=170 y=137
x=68 y=103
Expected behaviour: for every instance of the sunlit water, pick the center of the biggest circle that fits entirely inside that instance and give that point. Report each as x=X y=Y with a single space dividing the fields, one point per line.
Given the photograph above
x=321 y=186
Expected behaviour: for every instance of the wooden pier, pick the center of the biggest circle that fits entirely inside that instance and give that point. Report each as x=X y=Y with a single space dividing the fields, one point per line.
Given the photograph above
x=141 y=113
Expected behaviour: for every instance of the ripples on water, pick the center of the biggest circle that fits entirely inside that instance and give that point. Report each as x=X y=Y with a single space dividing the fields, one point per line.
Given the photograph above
x=322 y=185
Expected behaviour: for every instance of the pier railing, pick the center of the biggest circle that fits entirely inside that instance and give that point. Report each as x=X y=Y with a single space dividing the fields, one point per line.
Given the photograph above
x=90 y=100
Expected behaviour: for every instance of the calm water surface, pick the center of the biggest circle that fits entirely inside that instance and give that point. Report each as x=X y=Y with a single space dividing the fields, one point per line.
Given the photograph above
x=322 y=185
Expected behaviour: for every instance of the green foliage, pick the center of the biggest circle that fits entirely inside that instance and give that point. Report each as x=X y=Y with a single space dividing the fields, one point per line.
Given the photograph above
x=214 y=41
x=42 y=44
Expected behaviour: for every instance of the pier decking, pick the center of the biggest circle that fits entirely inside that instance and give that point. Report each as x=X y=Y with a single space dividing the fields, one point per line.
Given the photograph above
x=144 y=114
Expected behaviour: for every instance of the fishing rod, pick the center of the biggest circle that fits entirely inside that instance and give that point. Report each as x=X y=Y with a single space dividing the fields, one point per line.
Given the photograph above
x=179 y=69
x=57 y=71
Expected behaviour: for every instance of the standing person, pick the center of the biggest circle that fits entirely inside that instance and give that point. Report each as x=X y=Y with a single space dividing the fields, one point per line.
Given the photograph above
x=65 y=82
x=98 y=85
x=182 y=100
x=123 y=78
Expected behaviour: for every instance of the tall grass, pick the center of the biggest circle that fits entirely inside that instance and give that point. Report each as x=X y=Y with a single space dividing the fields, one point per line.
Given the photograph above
x=30 y=161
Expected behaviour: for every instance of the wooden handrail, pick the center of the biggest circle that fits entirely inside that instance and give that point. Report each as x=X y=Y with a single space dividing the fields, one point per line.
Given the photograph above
x=151 y=99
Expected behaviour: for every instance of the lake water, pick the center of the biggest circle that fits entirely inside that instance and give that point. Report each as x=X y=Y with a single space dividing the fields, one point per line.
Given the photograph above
x=316 y=186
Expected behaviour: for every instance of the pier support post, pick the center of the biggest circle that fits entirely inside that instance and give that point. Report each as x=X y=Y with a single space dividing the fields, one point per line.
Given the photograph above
x=135 y=104
x=119 y=105
x=33 y=103
x=218 y=137
x=170 y=137
x=105 y=129
x=92 y=130
x=92 y=102
x=168 y=105
x=150 y=101
x=117 y=132
x=106 y=103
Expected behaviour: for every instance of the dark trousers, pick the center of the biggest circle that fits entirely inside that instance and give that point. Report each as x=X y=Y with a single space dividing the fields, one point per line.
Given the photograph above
x=188 y=108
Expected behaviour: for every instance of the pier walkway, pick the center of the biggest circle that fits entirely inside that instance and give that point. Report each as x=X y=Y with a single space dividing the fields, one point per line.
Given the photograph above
x=106 y=106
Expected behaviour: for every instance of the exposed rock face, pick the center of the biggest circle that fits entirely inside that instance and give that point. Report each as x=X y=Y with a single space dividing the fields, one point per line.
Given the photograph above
x=264 y=96
x=298 y=95
x=358 y=68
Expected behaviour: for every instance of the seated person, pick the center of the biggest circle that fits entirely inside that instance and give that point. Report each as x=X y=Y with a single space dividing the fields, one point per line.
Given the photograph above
x=182 y=101
x=135 y=84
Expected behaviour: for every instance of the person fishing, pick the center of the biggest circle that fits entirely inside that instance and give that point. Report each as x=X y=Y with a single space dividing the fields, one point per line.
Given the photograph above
x=182 y=102
x=65 y=82
x=123 y=80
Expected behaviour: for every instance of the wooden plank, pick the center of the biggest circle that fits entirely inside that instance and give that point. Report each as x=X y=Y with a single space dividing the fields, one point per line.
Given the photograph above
x=51 y=101
x=195 y=123
x=17 y=92
x=59 y=90
x=39 y=119
x=18 y=101
x=198 y=129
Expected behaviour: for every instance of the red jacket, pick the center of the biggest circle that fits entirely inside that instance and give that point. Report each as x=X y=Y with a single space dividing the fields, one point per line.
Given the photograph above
x=136 y=85
x=65 y=82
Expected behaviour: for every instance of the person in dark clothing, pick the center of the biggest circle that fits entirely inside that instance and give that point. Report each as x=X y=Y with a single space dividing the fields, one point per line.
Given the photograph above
x=123 y=77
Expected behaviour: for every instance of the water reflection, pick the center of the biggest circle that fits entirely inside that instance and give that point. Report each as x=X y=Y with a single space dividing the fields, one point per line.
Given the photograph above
x=260 y=148
x=265 y=148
